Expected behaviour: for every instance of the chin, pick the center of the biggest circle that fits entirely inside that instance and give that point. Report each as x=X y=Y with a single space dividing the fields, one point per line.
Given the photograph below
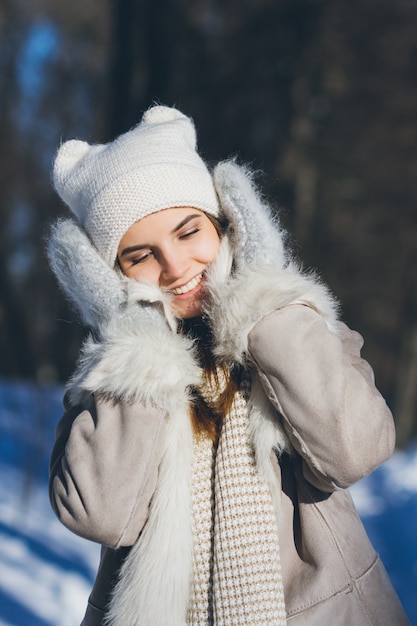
x=188 y=312
x=188 y=315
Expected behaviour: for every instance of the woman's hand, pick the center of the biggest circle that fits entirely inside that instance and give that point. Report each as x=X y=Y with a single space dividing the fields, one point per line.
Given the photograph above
x=263 y=277
x=256 y=235
x=134 y=330
x=99 y=293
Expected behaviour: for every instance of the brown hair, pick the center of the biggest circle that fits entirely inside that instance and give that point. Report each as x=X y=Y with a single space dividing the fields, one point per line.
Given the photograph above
x=207 y=419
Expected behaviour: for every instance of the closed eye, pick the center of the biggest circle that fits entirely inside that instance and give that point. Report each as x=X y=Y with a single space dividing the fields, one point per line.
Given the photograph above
x=189 y=233
x=140 y=259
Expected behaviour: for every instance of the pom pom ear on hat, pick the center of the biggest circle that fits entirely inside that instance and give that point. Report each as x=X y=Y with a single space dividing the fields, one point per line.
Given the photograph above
x=152 y=167
x=68 y=161
x=161 y=114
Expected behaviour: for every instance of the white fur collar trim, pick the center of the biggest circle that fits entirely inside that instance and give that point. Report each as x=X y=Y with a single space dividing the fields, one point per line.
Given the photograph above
x=254 y=293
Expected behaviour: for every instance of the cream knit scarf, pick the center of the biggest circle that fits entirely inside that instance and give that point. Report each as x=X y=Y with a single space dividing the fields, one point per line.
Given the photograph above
x=236 y=561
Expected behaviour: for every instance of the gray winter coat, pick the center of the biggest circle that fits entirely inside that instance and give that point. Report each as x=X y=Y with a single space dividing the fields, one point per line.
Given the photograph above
x=104 y=472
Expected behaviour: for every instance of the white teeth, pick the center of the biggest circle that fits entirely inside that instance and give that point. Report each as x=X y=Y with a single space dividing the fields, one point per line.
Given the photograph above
x=185 y=288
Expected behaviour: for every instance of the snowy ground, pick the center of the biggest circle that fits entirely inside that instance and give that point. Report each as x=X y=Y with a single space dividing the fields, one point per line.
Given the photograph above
x=46 y=572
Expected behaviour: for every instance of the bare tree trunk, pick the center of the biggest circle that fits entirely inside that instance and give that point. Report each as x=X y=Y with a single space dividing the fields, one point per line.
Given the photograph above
x=17 y=346
x=120 y=92
x=406 y=410
x=141 y=51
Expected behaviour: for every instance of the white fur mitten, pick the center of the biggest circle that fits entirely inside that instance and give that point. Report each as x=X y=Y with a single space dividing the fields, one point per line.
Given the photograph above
x=263 y=277
x=258 y=239
x=134 y=330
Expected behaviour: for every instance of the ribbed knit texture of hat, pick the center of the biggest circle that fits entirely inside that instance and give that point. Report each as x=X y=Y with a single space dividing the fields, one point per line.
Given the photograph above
x=152 y=167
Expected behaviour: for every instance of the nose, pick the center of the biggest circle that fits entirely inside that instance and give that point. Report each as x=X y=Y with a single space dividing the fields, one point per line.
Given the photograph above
x=174 y=264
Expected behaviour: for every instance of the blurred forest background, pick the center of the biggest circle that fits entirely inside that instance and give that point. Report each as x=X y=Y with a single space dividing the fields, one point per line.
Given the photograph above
x=319 y=95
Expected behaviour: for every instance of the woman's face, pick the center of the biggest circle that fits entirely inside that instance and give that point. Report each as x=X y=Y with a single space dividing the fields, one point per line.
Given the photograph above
x=172 y=248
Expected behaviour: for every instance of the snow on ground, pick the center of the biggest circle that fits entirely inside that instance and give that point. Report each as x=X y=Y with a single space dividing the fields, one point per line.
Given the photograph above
x=387 y=503
x=46 y=572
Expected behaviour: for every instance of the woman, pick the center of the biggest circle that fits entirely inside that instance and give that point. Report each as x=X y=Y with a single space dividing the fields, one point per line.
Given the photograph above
x=219 y=408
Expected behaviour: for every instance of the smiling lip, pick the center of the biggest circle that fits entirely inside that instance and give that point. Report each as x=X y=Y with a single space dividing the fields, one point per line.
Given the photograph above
x=192 y=284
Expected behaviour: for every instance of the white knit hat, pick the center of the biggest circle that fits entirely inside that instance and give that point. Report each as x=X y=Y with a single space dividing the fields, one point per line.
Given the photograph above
x=155 y=166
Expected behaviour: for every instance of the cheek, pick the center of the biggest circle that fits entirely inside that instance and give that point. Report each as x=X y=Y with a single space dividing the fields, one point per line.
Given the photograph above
x=209 y=249
x=139 y=272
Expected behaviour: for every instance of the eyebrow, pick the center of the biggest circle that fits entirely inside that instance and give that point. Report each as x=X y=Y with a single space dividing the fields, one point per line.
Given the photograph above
x=183 y=223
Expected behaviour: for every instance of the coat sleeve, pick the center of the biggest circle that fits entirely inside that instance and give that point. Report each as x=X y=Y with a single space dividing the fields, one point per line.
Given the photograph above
x=104 y=469
x=332 y=412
